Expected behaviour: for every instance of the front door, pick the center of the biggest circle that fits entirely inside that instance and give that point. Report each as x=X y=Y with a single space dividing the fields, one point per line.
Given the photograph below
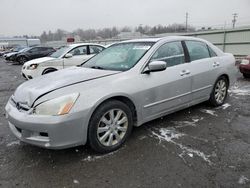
x=170 y=89
x=79 y=55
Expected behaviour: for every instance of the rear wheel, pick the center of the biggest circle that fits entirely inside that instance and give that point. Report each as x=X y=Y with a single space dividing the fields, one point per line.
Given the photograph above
x=246 y=75
x=219 y=93
x=22 y=60
x=110 y=126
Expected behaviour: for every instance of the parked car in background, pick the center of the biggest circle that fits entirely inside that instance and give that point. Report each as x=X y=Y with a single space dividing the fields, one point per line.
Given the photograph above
x=126 y=85
x=33 y=53
x=67 y=56
x=13 y=57
x=9 y=56
x=245 y=67
x=10 y=50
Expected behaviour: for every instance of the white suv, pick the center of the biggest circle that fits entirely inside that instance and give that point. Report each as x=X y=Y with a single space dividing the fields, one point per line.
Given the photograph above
x=71 y=55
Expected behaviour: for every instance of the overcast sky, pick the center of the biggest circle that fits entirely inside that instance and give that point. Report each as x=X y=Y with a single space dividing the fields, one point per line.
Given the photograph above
x=32 y=17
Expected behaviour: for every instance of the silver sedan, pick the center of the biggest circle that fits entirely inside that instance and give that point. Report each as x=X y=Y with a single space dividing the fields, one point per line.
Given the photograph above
x=126 y=85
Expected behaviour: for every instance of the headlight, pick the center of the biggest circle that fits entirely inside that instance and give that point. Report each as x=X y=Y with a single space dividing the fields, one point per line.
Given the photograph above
x=245 y=62
x=57 y=106
x=32 y=66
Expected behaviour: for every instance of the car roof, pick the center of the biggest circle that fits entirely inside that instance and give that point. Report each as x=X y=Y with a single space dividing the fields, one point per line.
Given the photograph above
x=80 y=44
x=168 y=38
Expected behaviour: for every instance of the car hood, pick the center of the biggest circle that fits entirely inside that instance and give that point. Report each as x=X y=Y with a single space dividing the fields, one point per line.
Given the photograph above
x=31 y=90
x=10 y=54
x=39 y=60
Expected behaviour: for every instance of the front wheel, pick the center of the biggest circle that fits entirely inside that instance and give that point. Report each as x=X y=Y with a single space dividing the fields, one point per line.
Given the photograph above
x=219 y=93
x=22 y=60
x=110 y=126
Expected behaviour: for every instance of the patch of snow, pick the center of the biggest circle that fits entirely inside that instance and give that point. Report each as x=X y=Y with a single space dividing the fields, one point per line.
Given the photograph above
x=167 y=134
x=47 y=145
x=192 y=123
x=243 y=180
x=17 y=142
x=75 y=181
x=225 y=106
x=96 y=157
x=211 y=112
x=142 y=137
x=170 y=135
x=236 y=90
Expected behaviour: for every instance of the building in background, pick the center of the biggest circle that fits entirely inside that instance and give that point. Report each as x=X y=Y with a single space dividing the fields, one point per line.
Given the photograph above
x=14 y=42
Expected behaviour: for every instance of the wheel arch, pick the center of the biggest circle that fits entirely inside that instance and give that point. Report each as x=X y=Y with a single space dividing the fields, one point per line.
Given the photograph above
x=22 y=55
x=226 y=76
x=49 y=68
x=122 y=98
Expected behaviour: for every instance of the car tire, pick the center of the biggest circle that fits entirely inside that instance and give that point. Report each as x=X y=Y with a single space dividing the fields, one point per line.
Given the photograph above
x=46 y=71
x=246 y=75
x=22 y=59
x=220 y=91
x=106 y=134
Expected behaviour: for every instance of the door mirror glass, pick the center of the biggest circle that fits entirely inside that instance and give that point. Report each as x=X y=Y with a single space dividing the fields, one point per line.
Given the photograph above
x=156 y=66
x=68 y=55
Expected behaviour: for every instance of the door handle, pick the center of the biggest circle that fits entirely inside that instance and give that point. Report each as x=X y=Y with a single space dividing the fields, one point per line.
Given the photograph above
x=216 y=64
x=185 y=72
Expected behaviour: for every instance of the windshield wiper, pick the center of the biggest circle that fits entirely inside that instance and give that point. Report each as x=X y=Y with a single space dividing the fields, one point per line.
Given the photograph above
x=97 y=67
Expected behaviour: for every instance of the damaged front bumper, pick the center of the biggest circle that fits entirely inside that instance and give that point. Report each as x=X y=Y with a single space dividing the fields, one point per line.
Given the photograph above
x=54 y=132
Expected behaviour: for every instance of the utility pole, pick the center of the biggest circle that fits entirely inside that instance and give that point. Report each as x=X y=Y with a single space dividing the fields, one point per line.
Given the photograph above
x=186 y=21
x=235 y=15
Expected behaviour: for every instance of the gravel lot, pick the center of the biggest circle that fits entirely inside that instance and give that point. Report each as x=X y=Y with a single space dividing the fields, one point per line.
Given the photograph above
x=197 y=147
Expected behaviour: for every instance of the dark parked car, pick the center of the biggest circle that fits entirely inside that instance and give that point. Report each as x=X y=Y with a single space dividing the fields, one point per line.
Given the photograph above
x=9 y=56
x=12 y=56
x=245 y=67
x=33 y=53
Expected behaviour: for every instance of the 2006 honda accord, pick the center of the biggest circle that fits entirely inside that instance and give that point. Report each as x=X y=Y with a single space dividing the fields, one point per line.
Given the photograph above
x=126 y=85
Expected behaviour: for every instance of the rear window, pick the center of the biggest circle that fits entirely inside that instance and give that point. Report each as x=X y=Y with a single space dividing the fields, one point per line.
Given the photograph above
x=197 y=50
x=211 y=51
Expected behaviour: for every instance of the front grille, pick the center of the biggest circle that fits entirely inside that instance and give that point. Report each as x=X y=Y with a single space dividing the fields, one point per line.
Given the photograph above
x=20 y=106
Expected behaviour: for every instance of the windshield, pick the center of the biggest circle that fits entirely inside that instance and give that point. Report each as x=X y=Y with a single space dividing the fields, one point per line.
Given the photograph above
x=24 y=50
x=119 y=57
x=17 y=49
x=60 y=52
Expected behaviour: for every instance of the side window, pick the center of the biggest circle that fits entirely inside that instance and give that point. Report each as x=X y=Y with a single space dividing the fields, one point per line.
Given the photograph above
x=95 y=49
x=43 y=49
x=81 y=50
x=212 y=53
x=197 y=50
x=33 y=50
x=171 y=52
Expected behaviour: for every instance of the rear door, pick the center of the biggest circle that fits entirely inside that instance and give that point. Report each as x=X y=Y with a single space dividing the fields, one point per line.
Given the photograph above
x=33 y=53
x=79 y=55
x=43 y=51
x=203 y=68
x=170 y=89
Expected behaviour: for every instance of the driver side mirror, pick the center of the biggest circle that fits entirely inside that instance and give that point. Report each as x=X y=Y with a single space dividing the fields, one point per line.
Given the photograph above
x=155 y=66
x=68 y=55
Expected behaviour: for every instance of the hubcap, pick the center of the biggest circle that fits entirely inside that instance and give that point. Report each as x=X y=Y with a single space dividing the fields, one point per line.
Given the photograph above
x=112 y=127
x=220 y=91
x=22 y=60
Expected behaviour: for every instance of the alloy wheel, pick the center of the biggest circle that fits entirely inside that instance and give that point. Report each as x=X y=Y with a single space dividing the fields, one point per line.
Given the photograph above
x=22 y=60
x=112 y=127
x=220 y=91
